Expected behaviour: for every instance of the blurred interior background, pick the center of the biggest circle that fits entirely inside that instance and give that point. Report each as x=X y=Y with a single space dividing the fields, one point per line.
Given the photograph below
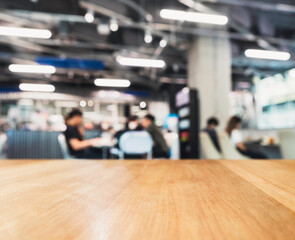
x=182 y=61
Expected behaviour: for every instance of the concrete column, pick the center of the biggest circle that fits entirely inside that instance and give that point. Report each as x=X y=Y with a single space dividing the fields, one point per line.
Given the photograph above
x=210 y=73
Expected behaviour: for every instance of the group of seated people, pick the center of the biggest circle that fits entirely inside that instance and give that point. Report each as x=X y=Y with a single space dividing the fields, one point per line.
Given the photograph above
x=85 y=149
x=233 y=130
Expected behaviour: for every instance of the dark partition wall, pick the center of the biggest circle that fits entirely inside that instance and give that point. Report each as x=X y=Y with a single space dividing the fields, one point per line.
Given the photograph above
x=33 y=145
x=36 y=144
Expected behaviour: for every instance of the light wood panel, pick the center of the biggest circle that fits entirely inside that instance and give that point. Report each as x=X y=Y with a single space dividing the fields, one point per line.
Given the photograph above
x=88 y=200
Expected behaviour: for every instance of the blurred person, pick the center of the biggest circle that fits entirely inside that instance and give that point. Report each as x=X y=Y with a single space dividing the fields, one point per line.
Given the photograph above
x=210 y=129
x=160 y=148
x=78 y=146
x=39 y=120
x=233 y=129
x=105 y=126
x=134 y=124
x=89 y=126
x=66 y=119
x=131 y=125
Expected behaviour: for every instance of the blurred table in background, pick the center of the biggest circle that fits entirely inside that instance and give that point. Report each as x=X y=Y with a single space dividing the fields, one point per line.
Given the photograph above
x=272 y=151
x=105 y=144
x=80 y=199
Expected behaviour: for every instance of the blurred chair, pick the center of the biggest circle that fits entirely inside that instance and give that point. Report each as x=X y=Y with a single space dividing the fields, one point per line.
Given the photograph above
x=64 y=147
x=228 y=150
x=115 y=153
x=172 y=141
x=287 y=143
x=3 y=139
x=136 y=143
x=208 y=149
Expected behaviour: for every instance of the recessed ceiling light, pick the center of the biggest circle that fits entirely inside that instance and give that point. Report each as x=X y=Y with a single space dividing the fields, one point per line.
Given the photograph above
x=90 y=103
x=83 y=104
x=142 y=104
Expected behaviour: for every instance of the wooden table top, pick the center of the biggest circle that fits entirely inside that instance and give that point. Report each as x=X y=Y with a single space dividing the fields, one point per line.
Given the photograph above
x=67 y=199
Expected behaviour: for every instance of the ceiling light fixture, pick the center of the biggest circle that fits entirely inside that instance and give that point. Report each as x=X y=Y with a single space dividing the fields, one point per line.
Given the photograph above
x=89 y=16
x=90 y=103
x=140 y=62
x=194 y=17
x=142 y=105
x=25 y=32
x=103 y=29
x=36 y=87
x=163 y=43
x=38 y=69
x=265 y=54
x=114 y=27
x=148 y=38
x=83 y=104
x=103 y=82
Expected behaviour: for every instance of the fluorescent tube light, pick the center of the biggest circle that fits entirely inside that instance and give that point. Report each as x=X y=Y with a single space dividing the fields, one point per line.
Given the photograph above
x=140 y=62
x=36 y=87
x=25 y=32
x=193 y=17
x=265 y=54
x=102 y=82
x=40 y=69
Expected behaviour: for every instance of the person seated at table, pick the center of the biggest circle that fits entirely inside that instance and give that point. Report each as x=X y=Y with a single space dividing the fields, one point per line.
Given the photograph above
x=210 y=129
x=133 y=124
x=233 y=129
x=160 y=148
x=74 y=134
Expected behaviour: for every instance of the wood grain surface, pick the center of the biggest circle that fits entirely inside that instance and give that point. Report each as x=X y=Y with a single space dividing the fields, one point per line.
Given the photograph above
x=85 y=200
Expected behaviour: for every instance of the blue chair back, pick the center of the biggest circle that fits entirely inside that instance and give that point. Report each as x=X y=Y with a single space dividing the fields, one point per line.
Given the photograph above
x=64 y=147
x=136 y=143
x=3 y=139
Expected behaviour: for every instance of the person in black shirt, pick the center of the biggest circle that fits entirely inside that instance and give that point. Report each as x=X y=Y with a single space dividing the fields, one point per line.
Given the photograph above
x=74 y=134
x=212 y=123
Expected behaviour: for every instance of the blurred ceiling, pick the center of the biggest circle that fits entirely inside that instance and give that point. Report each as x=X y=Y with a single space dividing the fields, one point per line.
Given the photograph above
x=253 y=23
